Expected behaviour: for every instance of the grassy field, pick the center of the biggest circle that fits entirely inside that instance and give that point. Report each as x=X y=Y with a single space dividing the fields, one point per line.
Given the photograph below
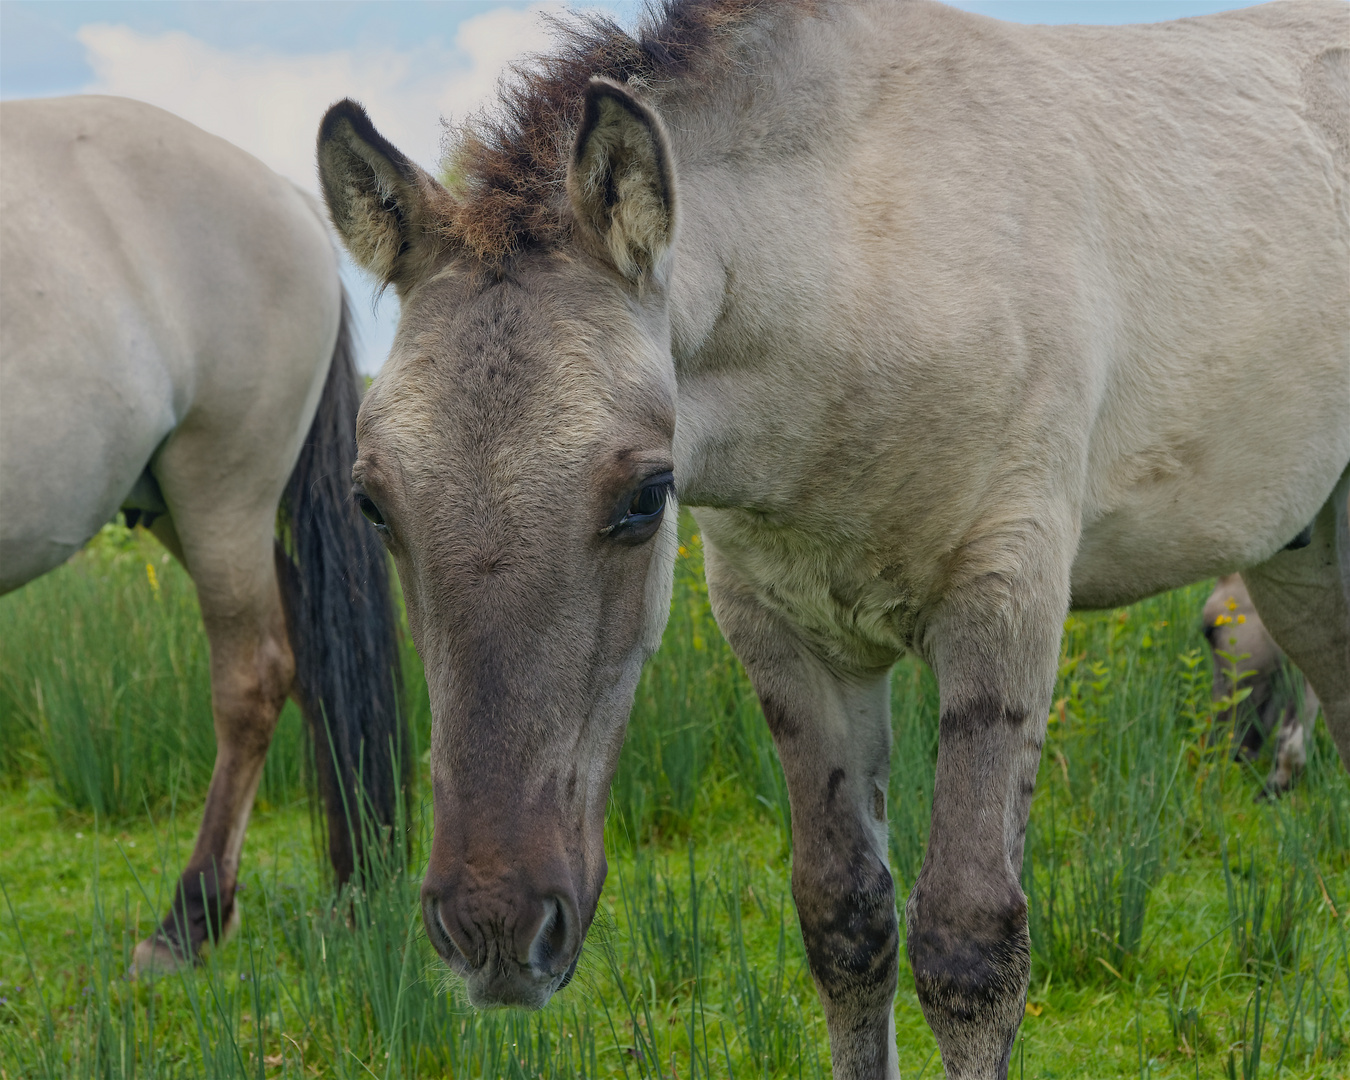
x=1179 y=928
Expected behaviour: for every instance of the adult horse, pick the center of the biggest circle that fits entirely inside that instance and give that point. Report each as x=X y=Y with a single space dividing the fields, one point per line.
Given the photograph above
x=174 y=342
x=940 y=325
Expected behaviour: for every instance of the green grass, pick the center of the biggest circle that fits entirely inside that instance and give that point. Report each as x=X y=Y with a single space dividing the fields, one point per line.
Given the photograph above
x=1179 y=928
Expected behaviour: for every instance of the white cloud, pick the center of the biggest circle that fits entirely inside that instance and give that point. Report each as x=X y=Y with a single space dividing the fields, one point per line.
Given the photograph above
x=270 y=103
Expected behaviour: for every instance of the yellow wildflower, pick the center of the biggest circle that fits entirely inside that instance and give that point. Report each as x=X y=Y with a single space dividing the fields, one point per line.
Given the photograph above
x=1232 y=604
x=151 y=577
x=683 y=551
x=1241 y=619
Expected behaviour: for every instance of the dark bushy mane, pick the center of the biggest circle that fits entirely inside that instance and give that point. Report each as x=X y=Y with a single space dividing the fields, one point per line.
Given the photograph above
x=508 y=163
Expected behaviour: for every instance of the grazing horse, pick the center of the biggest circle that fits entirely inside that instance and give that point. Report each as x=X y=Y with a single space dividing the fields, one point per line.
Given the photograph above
x=174 y=342
x=941 y=326
x=1280 y=703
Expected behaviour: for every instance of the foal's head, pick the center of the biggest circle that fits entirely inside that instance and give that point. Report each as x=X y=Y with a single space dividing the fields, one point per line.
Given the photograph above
x=515 y=455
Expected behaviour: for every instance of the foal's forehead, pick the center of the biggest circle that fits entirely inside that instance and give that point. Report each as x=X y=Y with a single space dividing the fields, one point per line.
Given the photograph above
x=514 y=370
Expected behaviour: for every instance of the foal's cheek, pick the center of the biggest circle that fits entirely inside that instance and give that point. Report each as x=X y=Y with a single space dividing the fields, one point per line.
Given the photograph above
x=409 y=591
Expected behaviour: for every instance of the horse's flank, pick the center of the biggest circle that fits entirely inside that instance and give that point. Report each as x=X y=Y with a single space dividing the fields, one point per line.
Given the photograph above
x=173 y=337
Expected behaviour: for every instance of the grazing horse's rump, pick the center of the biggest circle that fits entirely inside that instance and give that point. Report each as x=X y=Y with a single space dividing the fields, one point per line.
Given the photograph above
x=940 y=325
x=174 y=340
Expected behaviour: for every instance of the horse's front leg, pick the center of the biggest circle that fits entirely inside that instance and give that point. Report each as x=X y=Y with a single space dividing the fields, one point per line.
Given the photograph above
x=833 y=736
x=994 y=646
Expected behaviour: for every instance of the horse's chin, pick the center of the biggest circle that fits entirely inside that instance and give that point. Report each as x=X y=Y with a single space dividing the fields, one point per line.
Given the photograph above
x=518 y=989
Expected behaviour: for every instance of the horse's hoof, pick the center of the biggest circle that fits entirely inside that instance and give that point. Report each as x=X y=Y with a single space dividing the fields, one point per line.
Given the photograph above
x=232 y=922
x=155 y=956
x=1273 y=790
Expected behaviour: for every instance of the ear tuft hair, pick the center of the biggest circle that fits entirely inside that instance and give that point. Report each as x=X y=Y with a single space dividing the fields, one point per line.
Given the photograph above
x=621 y=180
x=385 y=208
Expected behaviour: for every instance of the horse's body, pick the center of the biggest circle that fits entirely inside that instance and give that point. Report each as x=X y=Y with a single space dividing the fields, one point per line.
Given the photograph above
x=172 y=326
x=943 y=325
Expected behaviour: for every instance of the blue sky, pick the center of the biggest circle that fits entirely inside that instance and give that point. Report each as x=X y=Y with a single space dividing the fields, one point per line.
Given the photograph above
x=40 y=54
x=260 y=72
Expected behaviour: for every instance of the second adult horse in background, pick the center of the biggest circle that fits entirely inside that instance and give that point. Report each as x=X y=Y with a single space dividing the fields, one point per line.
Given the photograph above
x=1280 y=703
x=174 y=342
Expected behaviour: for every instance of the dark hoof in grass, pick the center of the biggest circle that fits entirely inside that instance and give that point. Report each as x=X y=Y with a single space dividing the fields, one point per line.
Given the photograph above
x=157 y=955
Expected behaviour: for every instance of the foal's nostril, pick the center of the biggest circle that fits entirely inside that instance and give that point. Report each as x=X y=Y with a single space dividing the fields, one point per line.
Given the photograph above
x=439 y=935
x=553 y=946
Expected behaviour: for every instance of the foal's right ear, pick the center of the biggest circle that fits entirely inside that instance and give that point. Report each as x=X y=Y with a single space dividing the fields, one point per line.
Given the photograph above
x=385 y=208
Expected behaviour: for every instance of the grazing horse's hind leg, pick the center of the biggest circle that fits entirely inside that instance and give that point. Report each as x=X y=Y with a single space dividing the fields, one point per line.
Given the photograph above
x=252 y=667
x=1303 y=597
x=833 y=734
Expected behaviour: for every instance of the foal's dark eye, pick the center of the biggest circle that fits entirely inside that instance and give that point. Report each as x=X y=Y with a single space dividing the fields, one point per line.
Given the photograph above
x=370 y=511
x=642 y=515
x=650 y=500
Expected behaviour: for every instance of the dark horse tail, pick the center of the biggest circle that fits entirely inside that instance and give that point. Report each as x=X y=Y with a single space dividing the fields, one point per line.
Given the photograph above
x=335 y=590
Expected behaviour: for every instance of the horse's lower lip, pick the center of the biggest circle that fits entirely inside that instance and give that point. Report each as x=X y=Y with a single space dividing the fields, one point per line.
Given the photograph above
x=518 y=989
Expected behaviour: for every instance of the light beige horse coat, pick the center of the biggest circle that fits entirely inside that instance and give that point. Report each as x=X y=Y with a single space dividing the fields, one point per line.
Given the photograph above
x=956 y=324
x=174 y=341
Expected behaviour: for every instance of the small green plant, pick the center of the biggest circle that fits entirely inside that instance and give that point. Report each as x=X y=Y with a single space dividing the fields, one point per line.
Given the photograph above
x=1145 y=858
x=106 y=677
x=1189 y=1032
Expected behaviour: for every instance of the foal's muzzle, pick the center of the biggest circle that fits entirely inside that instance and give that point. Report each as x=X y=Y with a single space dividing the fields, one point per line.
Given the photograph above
x=511 y=950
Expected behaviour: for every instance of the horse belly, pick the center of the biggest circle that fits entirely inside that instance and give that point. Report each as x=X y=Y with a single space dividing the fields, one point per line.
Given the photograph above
x=1207 y=505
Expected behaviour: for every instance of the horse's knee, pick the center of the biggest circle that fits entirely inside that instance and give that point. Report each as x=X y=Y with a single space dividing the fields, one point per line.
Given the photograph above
x=971 y=957
x=850 y=929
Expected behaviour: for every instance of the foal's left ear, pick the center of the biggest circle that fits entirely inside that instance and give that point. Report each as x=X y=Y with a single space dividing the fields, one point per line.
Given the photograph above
x=387 y=210
x=621 y=180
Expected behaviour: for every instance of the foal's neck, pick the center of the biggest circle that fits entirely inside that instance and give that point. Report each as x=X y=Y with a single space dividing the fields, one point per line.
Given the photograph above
x=755 y=153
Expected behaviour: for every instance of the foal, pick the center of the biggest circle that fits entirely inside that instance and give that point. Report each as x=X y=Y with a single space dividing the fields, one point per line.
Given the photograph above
x=940 y=325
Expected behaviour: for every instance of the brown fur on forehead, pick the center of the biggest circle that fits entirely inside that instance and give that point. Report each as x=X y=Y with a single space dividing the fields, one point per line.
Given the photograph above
x=509 y=163
x=509 y=374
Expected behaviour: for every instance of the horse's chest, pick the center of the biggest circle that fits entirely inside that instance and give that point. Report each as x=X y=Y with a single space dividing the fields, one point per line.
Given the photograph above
x=851 y=609
x=813 y=508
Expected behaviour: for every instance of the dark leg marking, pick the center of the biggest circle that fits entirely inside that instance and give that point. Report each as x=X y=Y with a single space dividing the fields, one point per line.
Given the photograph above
x=978 y=716
x=965 y=971
x=851 y=933
x=967 y=936
x=779 y=718
x=971 y=974
x=846 y=904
